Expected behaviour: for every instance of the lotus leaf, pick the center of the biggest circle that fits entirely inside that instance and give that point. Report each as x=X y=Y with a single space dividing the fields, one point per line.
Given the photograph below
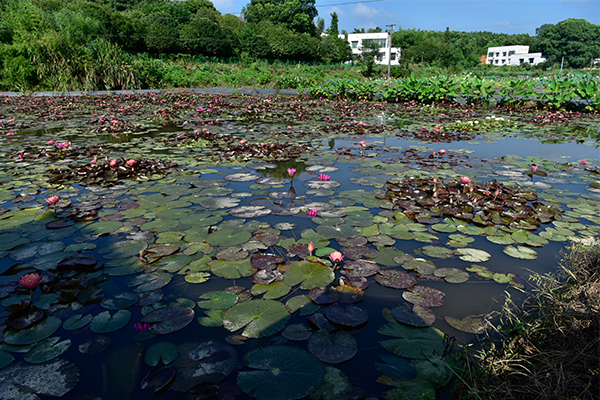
x=424 y=296
x=452 y=275
x=174 y=263
x=424 y=267
x=259 y=318
x=473 y=255
x=386 y=256
x=506 y=239
x=395 y=279
x=521 y=252
x=339 y=231
x=26 y=251
x=298 y=302
x=360 y=268
x=349 y=315
x=412 y=342
x=413 y=389
x=47 y=350
x=122 y=249
x=5 y=359
x=102 y=227
x=33 y=334
x=161 y=350
x=297 y=332
x=213 y=319
x=120 y=300
x=470 y=324
x=437 y=252
x=334 y=384
x=227 y=237
x=265 y=277
x=358 y=252
x=281 y=372
x=232 y=269
x=249 y=212
x=332 y=348
x=321 y=295
x=396 y=367
x=77 y=321
x=404 y=314
x=150 y=282
x=215 y=203
x=105 y=322
x=272 y=290
x=21 y=380
x=218 y=300
x=169 y=319
x=308 y=274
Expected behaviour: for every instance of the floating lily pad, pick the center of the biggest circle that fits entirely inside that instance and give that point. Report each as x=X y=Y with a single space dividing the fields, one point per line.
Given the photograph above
x=215 y=203
x=332 y=348
x=169 y=319
x=424 y=267
x=395 y=279
x=349 y=315
x=412 y=342
x=358 y=252
x=339 y=231
x=218 y=300
x=249 y=212
x=308 y=274
x=228 y=237
x=150 y=282
x=213 y=318
x=77 y=322
x=405 y=315
x=273 y=290
x=452 y=275
x=472 y=255
x=97 y=346
x=424 y=296
x=266 y=261
x=469 y=324
x=47 y=350
x=232 y=269
x=297 y=332
x=5 y=359
x=197 y=277
x=105 y=322
x=122 y=249
x=363 y=268
x=23 y=381
x=437 y=252
x=160 y=378
x=259 y=318
x=481 y=271
x=120 y=301
x=281 y=372
x=322 y=296
x=33 y=334
x=165 y=351
x=396 y=367
x=521 y=252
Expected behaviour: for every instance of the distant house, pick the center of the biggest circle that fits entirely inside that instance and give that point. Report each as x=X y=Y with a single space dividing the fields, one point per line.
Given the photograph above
x=513 y=55
x=359 y=40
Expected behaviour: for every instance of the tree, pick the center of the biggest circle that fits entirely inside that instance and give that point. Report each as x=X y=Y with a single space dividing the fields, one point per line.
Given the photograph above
x=320 y=25
x=577 y=40
x=295 y=15
x=333 y=29
x=369 y=55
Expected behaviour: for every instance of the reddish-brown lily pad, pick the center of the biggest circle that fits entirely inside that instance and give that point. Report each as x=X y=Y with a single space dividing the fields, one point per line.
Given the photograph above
x=424 y=296
x=360 y=268
x=332 y=348
x=395 y=279
x=267 y=261
x=169 y=319
x=350 y=315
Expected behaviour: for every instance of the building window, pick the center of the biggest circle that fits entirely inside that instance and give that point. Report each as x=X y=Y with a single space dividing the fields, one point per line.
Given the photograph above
x=510 y=53
x=491 y=54
x=521 y=61
x=497 y=54
x=503 y=61
x=496 y=61
x=379 y=42
x=393 y=57
x=531 y=61
x=503 y=54
x=354 y=44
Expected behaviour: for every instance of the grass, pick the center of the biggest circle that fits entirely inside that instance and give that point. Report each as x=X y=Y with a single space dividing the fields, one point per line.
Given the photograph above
x=547 y=347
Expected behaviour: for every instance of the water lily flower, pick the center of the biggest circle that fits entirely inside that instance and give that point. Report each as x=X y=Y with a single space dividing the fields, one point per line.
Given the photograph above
x=242 y=142
x=363 y=143
x=323 y=177
x=584 y=162
x=442 y=151
x=311 y=247
x=534 y=168
x=52 y=200
x=130 y=163
x=465 y=179
x=336 y=256
x=291 y=172
x=31 y=281
x=113 y=162
x=50 y=142
x=95 y=160
x=289 y=127
x=312 y=213
x=142 y=326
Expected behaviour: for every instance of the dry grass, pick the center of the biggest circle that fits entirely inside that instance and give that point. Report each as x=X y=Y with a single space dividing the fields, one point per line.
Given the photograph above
x=548 y=347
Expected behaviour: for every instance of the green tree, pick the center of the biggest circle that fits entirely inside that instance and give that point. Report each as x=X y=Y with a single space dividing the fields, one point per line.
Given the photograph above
x=333 y=29
x=369 y=56
x=577 y=40
x=296 y=15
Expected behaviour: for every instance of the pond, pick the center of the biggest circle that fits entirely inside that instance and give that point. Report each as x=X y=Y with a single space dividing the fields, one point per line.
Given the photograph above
x=235 y=246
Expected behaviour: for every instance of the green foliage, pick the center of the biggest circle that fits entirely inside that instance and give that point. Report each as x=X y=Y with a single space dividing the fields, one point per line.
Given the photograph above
x=333 y=29
x=577 y=40
x=295 y=15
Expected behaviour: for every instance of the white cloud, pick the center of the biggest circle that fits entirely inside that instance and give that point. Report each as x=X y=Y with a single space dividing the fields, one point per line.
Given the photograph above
x=362 y=11
x=224 y=6
x=504 y=23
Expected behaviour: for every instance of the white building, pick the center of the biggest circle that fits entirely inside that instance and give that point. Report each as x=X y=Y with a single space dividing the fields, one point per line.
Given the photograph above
x=359 y=40
x=513 y=55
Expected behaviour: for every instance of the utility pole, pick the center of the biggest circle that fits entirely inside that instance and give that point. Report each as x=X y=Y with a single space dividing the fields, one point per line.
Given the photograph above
x=391 y=26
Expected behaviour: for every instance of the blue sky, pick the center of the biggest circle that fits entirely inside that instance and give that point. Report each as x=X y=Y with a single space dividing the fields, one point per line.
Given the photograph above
x=506 y=16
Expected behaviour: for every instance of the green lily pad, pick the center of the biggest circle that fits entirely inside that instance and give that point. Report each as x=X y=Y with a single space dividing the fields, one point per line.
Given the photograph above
x=33 y=334
x=213 y=318
x=360 y=268
x=437 y=252
x=396 y=367
x=120 y=301
x=481 y=271
x=452 y=275
x=259 y=318
x=197 y=277
x=473 y=255
x=169 y=319
x=404 y=314
x=338 y=231
x=105 y=322
x=232 y=269
x=332 y=348
x=122 y=249
x=47 y=350
x=308 y=274
x=297 y=332
x=165 y=351
x=218 y=300
x=249 y=212
x=412 y=342
x=271 y=291
x=5 y=359
x=150 y=282
x=102 y=227
x=444 y=228
x=423 y=267
x=424 y=296
x=228 y=237
x=77 y=321
x=506 y=239
x=469 y=324
x=281 y=372
x=349 y=315
x=521 y=252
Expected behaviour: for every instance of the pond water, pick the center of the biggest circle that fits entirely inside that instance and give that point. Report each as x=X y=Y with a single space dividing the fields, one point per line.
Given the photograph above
x=188 y=215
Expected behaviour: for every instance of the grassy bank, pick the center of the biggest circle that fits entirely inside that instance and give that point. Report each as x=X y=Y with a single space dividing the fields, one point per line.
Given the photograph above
x=547 y=347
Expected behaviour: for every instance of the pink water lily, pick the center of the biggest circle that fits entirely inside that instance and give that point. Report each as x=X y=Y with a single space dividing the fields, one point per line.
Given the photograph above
x=442 y=151
x=291 y=172
x=534 y=168
x=31 y=281
x=323 y=177
x=311 y=247
x=363 y=143
x=113 y=162
x=130 y=163
x=584 y=162
x=242 y=142
x=50 y=142
x=336 y=256
x=312 y=213
x=465 y=179
x=52 y=200
x=142 y=326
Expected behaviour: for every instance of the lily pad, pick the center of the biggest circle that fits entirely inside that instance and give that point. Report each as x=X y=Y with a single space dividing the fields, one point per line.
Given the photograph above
x=105 y=322
x=437 y=252
x=249 y=212
x=452 y=275
x=77 y=321
x=169 y=319
x=396 y=367
x=297 y=332
x=521 y=252
x=47 y=350
x=469 y=324
x=412 y=342
x=150 y=282
x=266 y=261
x=424 y=296
x=165 y=351
x=218 y=300
x=232 y=269
x=358 y=268
x=308 y=274
x=197 y=277
x=281 y=372
x=473 y=255
x=228 y=237
x=338 y=231
x=404 y=314
x=21 y=380
x=33 y=334
x=120 y=301
x=349 y=315
x=395 y=279
x=160 y=378
x=332 y=348
x=259 y=318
